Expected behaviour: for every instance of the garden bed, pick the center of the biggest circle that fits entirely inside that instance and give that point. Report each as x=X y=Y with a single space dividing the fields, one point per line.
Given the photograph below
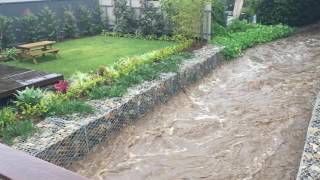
x=62 y=140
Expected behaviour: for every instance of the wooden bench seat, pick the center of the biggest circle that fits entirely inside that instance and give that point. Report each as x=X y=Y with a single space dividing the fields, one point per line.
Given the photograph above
x=37 y=49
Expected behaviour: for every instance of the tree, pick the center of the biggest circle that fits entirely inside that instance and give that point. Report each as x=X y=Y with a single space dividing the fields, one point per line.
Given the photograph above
x=85 y=18
x=29 y=27
x=6 y=32
x=69 y=25
x=98 y=23
x=151 y=21
x=186 y=16
x=48 y=24
x=125 y=17
x=237 y=8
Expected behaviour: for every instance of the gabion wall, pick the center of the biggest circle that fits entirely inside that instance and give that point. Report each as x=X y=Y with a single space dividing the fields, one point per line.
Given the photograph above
x=63 y=140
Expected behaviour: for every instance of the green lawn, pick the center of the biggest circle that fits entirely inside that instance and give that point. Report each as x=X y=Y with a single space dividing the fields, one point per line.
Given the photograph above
x=89 y=53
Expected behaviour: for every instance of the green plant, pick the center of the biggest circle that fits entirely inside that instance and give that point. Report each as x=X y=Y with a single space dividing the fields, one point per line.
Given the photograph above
x=59 y=107
x=22 y=129
x=10 y=54
x=186 y=16
x=218 y=8
x=30 y=102
x=84 y=21
x=240 y=26
x=291 y=12
x=28 y=26
x=6 y=32
x=69 y=24
x=98 y=23
x=151 y=21
x=235 y=42
x=48 y=24
x=125 y=18
x=30 y=96
x=7 y=117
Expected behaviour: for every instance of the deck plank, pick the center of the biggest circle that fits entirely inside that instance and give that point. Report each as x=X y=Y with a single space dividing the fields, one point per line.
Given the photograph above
x=13 y=79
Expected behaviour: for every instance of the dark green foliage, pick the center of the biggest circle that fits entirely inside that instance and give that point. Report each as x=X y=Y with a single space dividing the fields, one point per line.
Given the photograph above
x=218 y=8
x=69 y=24
x=98 y=23
x=84 y=21
x=291 y=12
x=6 y=32
x=63 y=107
x=125 y=17
x=48 y=24
x=29 y=27
x=240 y=38
x=240 y=26
x=151 y=21
x=22 y=129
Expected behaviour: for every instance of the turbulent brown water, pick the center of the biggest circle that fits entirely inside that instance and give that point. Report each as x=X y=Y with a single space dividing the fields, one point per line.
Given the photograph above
x=246 y=120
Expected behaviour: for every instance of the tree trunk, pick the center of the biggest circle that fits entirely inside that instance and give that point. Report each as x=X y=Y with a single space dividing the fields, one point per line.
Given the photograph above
x=237 y=8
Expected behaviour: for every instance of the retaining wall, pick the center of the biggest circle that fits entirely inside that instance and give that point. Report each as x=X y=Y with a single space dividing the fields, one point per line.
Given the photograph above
x=310 y=161
x=62 y=140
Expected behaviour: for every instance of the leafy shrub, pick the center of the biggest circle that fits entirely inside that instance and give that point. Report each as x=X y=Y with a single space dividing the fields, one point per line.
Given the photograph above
x=218 y=8
x=240 y=26
x=98 y=23
x=21 y=129
x=48 y=24
x=151 y=21
x=234 y=43
x=6 y=32
x=186 y=16
x=84 y=19
x=125 y=17
x=10 y=54
x=69 y=24
x=59 y=107
x=62 y=87
x=30 y=102
x=30 y=96
x=291 y=12
x=29 y=27
x=7 y=117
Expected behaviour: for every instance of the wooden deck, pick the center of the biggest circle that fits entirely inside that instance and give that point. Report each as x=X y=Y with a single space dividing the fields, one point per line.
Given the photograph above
x=13 y=79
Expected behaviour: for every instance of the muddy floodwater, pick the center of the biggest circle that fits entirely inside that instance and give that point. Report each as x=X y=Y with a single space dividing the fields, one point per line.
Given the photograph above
x=245 y=120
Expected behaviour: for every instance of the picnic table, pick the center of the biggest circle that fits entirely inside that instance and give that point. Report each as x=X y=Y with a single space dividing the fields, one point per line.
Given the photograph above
x=37 y=49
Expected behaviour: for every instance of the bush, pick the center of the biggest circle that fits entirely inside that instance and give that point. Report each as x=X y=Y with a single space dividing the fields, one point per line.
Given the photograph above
x=218 y=8
x=98 y=23
x=30 y=102
x=29 y=27
x=7 y=117
x=48 y=24
x=125 y=18
x=69 y=24
x=10 y=54
x=186 y=16
x=290 y=12
x=151 y=21
x=235 y=42
x=6 y=32
x=85 y=18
